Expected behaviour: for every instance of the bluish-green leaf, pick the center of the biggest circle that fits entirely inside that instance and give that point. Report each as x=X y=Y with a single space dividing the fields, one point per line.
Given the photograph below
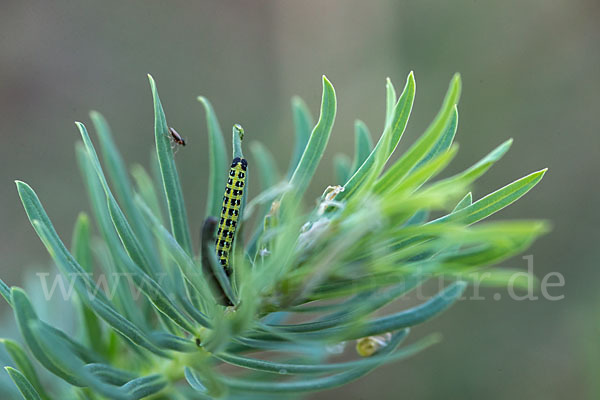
x=444 y=142
x=109 y=374
x=293 y=369
x=400 y=320
x=303 y=123
x=365 y=306
x=145 y=386
x=424 y=173
x=363 y=145
x=72 y=270
x=316 y=144
x=171 y=342
x=495 y=201
x=147 y=191
x=80 y=243
x=390 y=100
x=141 y=263
x=469 y=175
x=25 y=387
x=426 y=142
x=24 y=366
x=265 y=165
x=112 y=251
x=130 y=241
x=237 y=137
x=155 y=293
x=170 y=178
x=121 y=183
x=310 y=384
x=189 y=269
x=56 y=350
x=81 y=249
x=25 y=314
x=217 y=158
x=5 y=292
x=464 y=202
x=341 y=167
x=207 y=389
x=388 y=141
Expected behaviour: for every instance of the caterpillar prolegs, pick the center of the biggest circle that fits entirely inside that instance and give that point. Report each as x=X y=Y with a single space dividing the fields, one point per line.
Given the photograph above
x=232 y=200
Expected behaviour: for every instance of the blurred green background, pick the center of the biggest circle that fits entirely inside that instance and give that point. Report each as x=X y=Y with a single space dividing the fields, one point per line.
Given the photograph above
x=530 y=71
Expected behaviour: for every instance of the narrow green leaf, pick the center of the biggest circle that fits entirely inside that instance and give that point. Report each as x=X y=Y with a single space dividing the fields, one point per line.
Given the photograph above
x=193 y=310
x=426 y=142
x=387 y=142
x=72 y=270
x=341 y=166
x=24 y=315
x=236 y=140
x=126 y=234
x=217 y=158
x=192 y=379
x=154 y=292
x=121 y=183
x=266 y=198
x=80 y=244
x=58 y=352
x=81 y=250
x=495 y=201
x=170 y=178
x=390 y=100
x=109 y=374
x=363 y=145
x=145 y=386
x=303 y=123
x=317 y=142
x=112 y=251
x=499 y=278
x=24 y=365
x=25 y=387
x=293 y=369
x=5 y=292
x=367 y=305
x=146 y=189
x=444 y=142
x=140 y=264
x=171 y=342
x=469 y=175
x=424 y=172
x=269 y=176
x=400 y=320
x=311 y=384
x=492 y=243
x=265 y=164
x=464 y=202
x=418 y=218
x=209 y=388
x=187 y=266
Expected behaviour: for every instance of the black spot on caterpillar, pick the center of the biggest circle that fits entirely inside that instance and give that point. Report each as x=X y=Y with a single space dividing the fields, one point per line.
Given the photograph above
x=230 y=212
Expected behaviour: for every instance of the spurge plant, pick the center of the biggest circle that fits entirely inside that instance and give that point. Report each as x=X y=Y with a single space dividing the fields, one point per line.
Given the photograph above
x=275 y=289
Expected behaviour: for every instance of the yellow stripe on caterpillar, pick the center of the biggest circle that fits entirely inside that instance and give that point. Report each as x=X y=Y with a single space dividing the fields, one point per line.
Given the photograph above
x=232 y=200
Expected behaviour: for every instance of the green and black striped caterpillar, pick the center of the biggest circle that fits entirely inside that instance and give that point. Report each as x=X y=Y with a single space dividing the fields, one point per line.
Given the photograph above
x=230 y=213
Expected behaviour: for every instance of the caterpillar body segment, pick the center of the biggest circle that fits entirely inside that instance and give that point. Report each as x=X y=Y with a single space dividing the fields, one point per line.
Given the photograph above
x=232 y=200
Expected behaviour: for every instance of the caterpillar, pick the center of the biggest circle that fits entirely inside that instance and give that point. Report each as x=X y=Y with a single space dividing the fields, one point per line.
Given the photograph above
x=232 y=200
